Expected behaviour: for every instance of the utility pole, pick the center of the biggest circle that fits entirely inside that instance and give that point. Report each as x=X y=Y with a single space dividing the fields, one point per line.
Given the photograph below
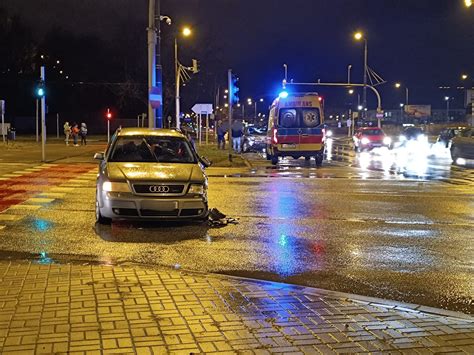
x=159 y=69
x=37 y=121
x=151 y=31
x=230 y=97
x=177 y=79
x=43 y=118
x=365 y=77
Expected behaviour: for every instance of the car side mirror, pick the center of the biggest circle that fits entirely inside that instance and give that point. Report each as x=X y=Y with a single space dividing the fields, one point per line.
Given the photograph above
x=206 y=162
x=99 y=156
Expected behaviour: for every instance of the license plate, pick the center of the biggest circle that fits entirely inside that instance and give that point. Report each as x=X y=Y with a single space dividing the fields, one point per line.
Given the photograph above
x=288 y=145
x=159 y=205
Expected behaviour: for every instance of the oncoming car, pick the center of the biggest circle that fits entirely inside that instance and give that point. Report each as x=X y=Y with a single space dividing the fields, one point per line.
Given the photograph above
x=368 y=138
x=150 y=174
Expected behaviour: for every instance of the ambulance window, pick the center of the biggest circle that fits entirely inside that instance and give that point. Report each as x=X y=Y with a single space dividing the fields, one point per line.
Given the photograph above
x=288 y=118
x=311 y=117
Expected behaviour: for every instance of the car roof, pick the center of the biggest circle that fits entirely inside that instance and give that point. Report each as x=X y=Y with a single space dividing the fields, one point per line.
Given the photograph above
x=150 y=132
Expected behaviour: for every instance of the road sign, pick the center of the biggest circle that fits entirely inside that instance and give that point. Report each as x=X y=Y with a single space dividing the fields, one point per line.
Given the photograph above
x=202 y=109
x=155 y=97
x=379 y=115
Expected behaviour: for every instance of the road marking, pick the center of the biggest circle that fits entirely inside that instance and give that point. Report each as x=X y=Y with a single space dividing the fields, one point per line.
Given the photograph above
x=51 y=195
x=62 y=189
x=39 y=200
x=24 y=207
x=10 y=217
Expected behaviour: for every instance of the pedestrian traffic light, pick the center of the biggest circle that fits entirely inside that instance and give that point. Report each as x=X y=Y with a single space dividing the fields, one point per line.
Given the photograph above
x=195 y=66
x=109 y=114
x=40 y=90
x=234 y=90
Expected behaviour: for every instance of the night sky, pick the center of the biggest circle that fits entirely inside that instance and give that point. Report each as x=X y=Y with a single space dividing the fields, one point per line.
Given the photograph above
x=421 y=43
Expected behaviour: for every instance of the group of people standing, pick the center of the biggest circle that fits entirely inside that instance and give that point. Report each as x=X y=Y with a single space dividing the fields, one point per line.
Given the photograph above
x=75 y=131
x=237 y=131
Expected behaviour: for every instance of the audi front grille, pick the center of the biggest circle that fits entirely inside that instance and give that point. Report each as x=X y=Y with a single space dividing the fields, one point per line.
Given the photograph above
x=154 y=189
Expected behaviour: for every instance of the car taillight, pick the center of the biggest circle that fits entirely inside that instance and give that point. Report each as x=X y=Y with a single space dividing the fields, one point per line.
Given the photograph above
x=274 y=136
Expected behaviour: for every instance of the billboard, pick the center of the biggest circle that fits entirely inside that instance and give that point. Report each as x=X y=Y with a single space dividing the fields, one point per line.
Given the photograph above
x=418 y=111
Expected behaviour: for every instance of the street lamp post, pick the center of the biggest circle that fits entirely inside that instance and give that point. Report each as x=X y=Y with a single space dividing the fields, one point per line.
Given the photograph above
x=398 y=86
x=447 y=98
x=359 y=36
x=349 y=67
x=401 y=112
x=186 y=32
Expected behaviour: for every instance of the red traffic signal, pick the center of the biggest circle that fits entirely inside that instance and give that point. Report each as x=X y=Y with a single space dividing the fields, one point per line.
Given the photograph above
x=109 y=114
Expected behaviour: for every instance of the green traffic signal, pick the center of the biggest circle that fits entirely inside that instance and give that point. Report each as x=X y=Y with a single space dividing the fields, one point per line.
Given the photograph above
x=40 y=90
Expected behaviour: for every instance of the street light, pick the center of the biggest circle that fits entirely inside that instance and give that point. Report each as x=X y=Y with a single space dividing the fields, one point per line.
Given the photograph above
x=464 y=76
x=351 y=91
x=447 y=98
x=398 y=86
x=468 y=3
x=186 y=32
x=360 y=36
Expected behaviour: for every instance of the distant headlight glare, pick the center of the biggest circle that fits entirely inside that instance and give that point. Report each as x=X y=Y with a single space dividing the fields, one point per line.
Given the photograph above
x=365 y=140
x=387 y=140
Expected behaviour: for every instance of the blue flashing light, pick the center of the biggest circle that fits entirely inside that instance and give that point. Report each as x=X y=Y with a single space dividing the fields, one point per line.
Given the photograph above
x=283 y=95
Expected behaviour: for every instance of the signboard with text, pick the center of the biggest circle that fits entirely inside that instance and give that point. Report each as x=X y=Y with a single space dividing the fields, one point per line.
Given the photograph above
x=418 y=111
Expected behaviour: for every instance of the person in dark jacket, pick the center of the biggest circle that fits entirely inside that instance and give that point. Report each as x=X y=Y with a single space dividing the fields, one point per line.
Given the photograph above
x=237 y=132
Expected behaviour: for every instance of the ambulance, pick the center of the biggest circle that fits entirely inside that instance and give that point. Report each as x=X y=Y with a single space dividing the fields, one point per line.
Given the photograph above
x=296 y=127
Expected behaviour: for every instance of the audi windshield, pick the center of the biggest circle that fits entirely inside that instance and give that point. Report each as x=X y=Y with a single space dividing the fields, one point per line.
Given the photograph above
x=152 y=149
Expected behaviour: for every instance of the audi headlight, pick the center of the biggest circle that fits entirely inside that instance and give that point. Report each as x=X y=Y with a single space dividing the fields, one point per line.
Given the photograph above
x=365 y=140
x=109 y=186
x=197 y=189
x=387 y=140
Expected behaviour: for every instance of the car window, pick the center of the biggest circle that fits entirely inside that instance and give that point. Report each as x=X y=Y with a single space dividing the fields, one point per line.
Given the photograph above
x=151 y=149
x=300 y=117
x=372 y=132
x=466 y=133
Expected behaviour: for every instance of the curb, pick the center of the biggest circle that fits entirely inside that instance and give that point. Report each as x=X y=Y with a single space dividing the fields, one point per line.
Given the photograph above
x=314 y=291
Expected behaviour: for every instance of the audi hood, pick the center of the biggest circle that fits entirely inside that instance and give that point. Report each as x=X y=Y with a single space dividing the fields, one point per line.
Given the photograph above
x=155 y=172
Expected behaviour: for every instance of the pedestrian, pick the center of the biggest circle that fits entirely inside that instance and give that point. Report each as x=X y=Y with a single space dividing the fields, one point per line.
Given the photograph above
x=83 y=133
x=237 y=132
x=221 y=131
x=75 y=133
x=67 y=132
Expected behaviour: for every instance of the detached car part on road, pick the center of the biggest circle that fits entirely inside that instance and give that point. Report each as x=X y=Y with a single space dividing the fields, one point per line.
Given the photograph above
x=150 y=174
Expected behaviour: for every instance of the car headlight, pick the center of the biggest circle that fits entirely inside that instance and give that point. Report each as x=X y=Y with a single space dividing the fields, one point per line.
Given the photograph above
x=109 y=186
x=387 y=140
x=403 y=138
x=328 y=133
x=197 y=189
x=422 y=138
x=365 y=140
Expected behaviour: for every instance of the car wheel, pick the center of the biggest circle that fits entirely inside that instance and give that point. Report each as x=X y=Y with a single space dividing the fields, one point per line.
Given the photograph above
x=98 y=216
x=454 y=154
x=245 y=147
x=307 y=158
x=274 y=159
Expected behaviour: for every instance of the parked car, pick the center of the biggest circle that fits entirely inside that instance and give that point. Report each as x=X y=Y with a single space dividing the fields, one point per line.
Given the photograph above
x=447 y=134
x=462 y=147
x=150 y=174
x=367 y=138
x=254 y=139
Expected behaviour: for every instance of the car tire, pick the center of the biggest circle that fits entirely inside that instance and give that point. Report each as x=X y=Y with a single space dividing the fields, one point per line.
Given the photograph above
x=245 y=147
x=307 y=158
x=274 y=159
x=454 y=154
x=98 y=216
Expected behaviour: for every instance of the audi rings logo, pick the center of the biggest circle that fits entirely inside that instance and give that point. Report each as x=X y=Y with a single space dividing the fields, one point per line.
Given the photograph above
x=161 y=189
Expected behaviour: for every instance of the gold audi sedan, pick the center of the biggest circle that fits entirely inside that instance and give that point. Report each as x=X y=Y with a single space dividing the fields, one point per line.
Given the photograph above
x=150 y=174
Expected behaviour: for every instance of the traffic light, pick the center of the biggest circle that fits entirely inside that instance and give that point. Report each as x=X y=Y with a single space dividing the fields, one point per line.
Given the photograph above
x=108 y=114
x=195 y=66
x=40 y=90
x=234 y=90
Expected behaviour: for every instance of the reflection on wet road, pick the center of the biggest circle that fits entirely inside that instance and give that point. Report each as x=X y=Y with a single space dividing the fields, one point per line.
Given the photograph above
x=343 y=227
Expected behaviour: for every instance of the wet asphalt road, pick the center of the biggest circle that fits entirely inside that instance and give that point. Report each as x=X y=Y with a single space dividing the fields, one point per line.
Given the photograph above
x=348 y=226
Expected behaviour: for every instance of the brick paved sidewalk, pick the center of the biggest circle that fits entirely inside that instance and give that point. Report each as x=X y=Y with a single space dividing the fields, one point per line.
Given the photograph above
x=59 y=308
